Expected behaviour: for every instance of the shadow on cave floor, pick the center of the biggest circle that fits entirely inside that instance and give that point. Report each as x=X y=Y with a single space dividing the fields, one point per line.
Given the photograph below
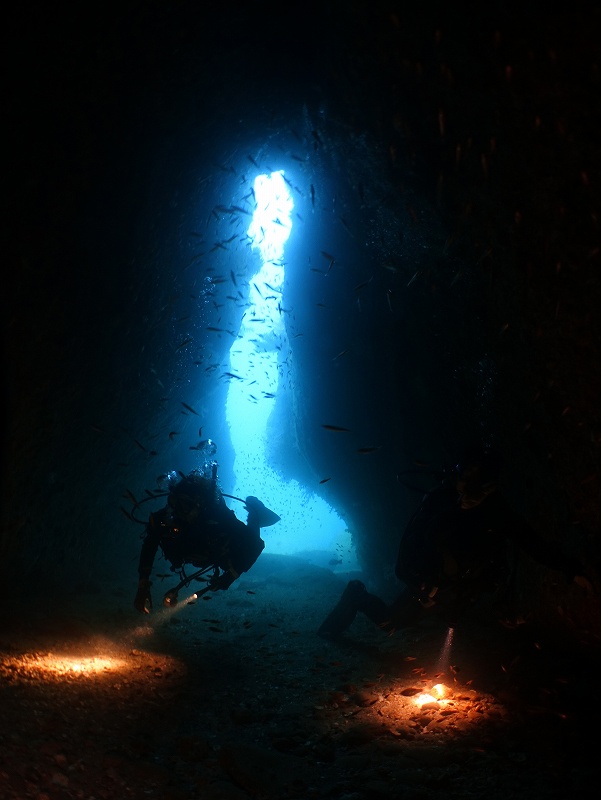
x=236 y=697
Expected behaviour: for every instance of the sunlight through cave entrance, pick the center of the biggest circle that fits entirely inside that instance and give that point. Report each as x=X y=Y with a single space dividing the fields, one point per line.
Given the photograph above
x=259 y=359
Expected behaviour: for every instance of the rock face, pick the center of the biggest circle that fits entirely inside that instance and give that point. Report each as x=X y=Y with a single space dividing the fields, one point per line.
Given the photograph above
x=443 y=285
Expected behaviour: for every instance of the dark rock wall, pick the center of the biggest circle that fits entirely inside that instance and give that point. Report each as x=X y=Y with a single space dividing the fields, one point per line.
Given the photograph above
x=442 y=281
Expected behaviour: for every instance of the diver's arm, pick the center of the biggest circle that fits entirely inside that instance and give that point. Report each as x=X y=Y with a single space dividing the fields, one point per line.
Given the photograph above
x=143 y=598
x=244 y=548
x=149 y=547
x=522 y=534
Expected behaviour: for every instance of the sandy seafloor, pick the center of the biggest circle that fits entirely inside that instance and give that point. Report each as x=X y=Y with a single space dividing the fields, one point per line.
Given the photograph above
x=235 y=696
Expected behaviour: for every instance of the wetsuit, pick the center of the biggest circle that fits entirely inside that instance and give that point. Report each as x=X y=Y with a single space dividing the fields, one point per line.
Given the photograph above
x=219 y=538
x=454 y=549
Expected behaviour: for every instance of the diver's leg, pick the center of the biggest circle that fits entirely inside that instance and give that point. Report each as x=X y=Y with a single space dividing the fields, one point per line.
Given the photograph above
x=374 y=608
x=344 y=612
x=405 y=610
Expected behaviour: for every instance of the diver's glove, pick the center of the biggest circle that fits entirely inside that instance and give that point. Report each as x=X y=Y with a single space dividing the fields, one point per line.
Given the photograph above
x=583 y=582
x=143 y=599
x=170 y=599
x=427 y=595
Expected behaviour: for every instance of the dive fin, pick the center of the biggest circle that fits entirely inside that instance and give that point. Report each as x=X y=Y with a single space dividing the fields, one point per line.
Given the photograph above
x=259 y=514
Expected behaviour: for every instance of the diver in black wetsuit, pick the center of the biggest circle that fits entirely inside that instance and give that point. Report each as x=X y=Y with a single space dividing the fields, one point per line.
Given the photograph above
x=454 y=549
x=196 y=527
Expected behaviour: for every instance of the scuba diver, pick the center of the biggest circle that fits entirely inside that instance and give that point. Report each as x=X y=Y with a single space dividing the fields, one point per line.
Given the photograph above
x=196 y=527
x=454 y=550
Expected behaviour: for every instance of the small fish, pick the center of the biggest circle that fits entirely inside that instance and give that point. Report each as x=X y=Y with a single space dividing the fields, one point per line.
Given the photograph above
x=253 y=162
x=216 y=630
x=313 y=195
x=249 y=591
x=184 y=343
x=233 y=277
x=333 y=561
x=324 y=480
x=335 y=428
x=127 y=514
x=364 y=450
x=163 y=575
x=172 y=435
x=130 y=495
x=189 y=408
x=225 y=168
x=217 y=330
x=362 y=285
x=141 y=446
x=345 y=225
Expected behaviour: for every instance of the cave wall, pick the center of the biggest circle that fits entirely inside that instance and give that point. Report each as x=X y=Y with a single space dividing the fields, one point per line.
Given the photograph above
x=361 y=337
x=455 y=169
x=487 y=121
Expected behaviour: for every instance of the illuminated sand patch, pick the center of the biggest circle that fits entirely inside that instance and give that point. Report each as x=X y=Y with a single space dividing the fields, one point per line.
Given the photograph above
x=45 y=667
x=413 y=710
x=67 y=665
